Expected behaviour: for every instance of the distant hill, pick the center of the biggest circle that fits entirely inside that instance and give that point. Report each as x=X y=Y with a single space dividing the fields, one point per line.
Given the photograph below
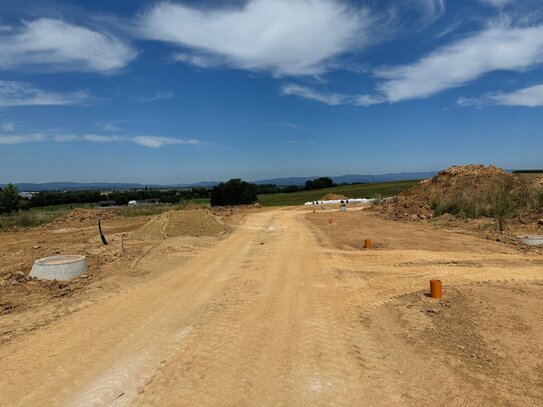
x=105 y=186
x=102 y=186
x=352 y=178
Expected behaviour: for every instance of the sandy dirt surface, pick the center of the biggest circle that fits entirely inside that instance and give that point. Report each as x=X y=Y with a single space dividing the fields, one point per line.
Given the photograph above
x=288 y=310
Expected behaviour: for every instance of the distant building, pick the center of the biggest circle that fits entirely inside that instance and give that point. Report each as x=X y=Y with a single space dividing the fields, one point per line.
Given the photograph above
x=27 y=195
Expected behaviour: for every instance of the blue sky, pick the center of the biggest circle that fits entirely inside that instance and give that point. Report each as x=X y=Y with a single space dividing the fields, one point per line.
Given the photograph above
x=185 y=91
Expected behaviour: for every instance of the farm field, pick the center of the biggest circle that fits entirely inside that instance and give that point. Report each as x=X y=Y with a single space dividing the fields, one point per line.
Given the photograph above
x=384 y=189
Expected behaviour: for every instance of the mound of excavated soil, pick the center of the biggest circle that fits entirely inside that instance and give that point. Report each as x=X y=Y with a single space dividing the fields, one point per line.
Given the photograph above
x=192 y=222
x=333 y=197
x=416 y=203
x=538 y=182
x=84 y=217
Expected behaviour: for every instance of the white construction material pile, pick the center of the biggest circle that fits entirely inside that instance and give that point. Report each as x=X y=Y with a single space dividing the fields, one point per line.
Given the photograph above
x=342 y=201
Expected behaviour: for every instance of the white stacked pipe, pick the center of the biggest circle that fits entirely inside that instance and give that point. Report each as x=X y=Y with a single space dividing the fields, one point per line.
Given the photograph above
x=340 y=201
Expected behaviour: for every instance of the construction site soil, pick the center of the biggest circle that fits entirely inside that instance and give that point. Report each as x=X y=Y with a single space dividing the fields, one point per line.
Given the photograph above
x=188 y=222
x=333 y=197
x=416 y=203
x=285 y=309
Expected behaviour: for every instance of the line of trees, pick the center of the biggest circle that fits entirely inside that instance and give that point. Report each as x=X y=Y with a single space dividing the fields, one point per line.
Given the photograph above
x=11 y=200
x=232 y=192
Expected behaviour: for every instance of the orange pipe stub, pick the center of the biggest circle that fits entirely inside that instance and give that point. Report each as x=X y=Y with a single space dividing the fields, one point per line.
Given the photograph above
x=330 y=221
x=436 y=289
x=367 y=244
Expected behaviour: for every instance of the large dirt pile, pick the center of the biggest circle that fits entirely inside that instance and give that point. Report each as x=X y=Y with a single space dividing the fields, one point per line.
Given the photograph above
x=192 y=222
x=416 y=203
x=84 y=217
x=333 y=197
x=537 y=182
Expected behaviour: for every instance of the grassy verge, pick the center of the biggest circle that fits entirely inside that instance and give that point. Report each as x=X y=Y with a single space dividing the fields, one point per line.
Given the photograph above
x=383 y=189
x=28 y=219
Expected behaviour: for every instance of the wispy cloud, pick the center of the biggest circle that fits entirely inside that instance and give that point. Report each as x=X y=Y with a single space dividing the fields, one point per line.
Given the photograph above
x=456 y=64
x=60 y=46
x=332 y=99
x=287 y=125
x=21 y=139
x=94 y=138
x=13 y=93
x=156 y=142
x=155 y=97
x=495 y=48
x=7 y=126
x=111 y=126
x=266 y=35
x=527 y=97
x=496 y=3
x=145 y=141
x=431 y=9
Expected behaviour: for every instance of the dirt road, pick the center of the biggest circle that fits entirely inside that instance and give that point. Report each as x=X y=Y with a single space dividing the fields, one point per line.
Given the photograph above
x=272 y=315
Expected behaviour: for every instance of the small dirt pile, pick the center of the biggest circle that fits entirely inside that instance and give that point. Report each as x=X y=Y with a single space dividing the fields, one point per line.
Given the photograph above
x=84 y=217
x=192 y=222
x=475 y=181
x=333 y=197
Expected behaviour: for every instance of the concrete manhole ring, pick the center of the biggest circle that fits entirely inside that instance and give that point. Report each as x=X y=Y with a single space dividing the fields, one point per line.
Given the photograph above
x=60 y=268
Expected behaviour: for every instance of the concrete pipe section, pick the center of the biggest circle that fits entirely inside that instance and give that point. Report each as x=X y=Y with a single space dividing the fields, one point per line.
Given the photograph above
x=60 y=268
x=532 y=240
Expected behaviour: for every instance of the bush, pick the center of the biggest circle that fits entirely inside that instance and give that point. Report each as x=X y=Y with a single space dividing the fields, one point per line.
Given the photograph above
x=508 y=197
x=27 y=219
x=233 y=192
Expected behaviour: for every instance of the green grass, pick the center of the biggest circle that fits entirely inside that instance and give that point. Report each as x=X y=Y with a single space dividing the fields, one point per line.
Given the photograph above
x=384 y=189
x=62 y=207
x=27 y=219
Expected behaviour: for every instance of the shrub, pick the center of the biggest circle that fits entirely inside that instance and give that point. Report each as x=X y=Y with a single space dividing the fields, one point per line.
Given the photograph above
x=233 y=192
x=508 y=197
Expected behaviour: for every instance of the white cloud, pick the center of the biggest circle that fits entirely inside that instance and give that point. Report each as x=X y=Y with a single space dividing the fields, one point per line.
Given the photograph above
x=146 y=141
x=156 y=142
x=14 y=93
x=94 y=138
x=61 y=46
x=496 y=48
x=202 y=61
x=332 y=99
x=496 y=3
x=21 y=139
x=155 y=97
x=527 y=97
x=110 y=126
x=493 y=49
x=7 y=126
x=286 y=37
x=431 y=9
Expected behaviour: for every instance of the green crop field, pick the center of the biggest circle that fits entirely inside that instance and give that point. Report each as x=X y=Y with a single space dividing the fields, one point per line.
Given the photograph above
x=384 y=189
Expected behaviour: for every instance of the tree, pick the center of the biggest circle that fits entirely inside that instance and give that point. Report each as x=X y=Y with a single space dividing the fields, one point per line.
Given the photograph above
x=233 y=192
x=9 y=199
x=319 y=183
